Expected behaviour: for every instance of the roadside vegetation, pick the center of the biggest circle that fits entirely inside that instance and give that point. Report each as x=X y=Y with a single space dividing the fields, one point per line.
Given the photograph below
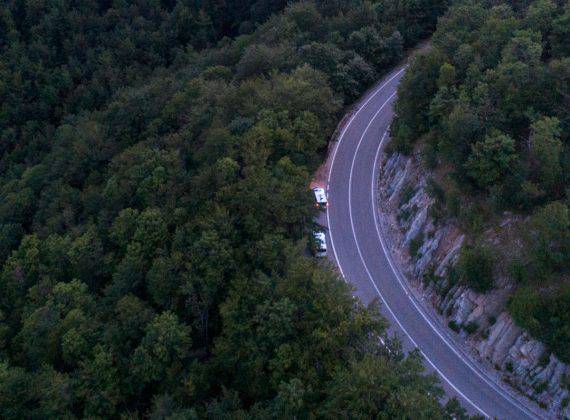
x=488 y=108
x=154 y=206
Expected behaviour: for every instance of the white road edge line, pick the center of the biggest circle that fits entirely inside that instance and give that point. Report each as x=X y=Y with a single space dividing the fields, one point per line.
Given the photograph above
x=370 y=275
x=397 y=273
x=336 y=149
x=358 y=248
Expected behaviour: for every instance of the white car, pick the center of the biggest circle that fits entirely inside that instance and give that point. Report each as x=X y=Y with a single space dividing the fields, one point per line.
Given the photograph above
x=320 y=198
x=320 y=244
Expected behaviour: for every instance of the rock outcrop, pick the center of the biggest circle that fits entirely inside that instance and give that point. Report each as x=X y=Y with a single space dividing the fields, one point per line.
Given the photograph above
x=426 y=247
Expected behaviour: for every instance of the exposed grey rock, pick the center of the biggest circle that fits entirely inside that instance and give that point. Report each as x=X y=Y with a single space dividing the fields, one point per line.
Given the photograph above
x=426 y=253
x=398 y=174
x=450 y=256
x=463 y=307
x=503 y=344
x=502 y=337
x=417 y=226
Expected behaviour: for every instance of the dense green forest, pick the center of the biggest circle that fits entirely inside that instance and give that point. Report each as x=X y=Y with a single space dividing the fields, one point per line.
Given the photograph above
x=154 y=211
x=491 y=104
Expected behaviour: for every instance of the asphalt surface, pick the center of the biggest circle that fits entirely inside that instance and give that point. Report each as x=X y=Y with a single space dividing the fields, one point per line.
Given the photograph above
x=356 y=246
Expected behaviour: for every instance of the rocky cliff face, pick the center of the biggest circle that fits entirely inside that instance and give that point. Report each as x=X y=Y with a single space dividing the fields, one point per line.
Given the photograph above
x=426 y=247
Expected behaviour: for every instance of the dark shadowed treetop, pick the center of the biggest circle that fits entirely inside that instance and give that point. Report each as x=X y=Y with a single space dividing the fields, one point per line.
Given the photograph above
x=488 y=106
x=155 y=158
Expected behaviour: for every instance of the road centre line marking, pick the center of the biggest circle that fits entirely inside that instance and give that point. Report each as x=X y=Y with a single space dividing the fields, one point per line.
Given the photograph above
x=387 y=255
x=336 y=150
x=368 y=271
x=396 y=272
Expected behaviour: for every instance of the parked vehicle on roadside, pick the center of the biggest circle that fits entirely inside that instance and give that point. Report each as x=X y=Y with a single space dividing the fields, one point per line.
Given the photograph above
x=321 y=201
x=319 y=245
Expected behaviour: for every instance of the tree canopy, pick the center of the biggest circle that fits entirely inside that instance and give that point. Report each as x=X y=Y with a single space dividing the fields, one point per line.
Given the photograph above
x=488 y=107
x=154 y=211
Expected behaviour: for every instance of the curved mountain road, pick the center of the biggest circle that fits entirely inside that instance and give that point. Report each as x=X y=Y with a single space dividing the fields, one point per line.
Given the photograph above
x=356 y=245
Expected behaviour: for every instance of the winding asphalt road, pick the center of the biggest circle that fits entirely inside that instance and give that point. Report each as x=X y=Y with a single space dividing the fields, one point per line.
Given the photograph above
x=357 y=247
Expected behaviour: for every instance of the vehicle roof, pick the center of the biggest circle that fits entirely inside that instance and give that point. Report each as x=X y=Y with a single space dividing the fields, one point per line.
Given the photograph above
x=320 y=195
x=319 y=235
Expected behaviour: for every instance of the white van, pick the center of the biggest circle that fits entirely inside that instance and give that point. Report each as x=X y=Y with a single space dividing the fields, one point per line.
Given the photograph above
x=320 y=245
x=320 y=198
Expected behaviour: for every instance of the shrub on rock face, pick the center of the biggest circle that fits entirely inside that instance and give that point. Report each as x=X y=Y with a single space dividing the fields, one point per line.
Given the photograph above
x=476 y=267
x=471 y=327
x=453 y=325
x=416 y=244
x=548 y=241
x=546 y=316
